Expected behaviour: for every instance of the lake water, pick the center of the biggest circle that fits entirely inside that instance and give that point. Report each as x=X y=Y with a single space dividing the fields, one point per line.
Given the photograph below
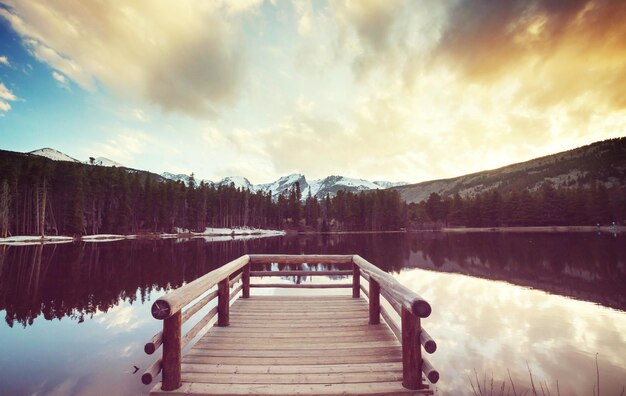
x=77 y=315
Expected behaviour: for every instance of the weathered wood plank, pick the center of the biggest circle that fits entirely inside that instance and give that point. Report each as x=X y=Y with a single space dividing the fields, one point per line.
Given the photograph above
x=311 y=337
x=280 y=345
x=393 y=351
x=293 y=369
x=296 y=345
x=372 y=388
x=266 y=331
x=255 y=361
x=238 y=310
x=355 y=326
x=340 y=378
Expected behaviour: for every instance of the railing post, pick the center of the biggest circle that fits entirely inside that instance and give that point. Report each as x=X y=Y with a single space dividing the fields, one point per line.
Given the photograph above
x=356 y=281
x=245 y=281
x=411 y=351
x=171 y=352
x=223 y=302
x=374 y=301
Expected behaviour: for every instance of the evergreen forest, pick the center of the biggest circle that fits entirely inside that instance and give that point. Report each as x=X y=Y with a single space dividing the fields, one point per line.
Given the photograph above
x=39 y=196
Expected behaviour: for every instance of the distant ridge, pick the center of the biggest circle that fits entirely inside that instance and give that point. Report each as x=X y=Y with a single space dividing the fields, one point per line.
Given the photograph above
x=602 y=162
x=53 y=154
x=282 y=186
x=56 y=155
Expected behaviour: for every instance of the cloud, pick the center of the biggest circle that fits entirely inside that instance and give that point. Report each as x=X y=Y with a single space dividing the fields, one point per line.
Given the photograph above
x=185 y=58
x=562 y=49
x=386 y=36
x=140 y=115
x=123 y=146
x=4 y=61
x=60 y=78
x=6 y=96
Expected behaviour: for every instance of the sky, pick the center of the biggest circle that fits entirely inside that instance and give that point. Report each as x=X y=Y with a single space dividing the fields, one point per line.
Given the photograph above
x=375 y=89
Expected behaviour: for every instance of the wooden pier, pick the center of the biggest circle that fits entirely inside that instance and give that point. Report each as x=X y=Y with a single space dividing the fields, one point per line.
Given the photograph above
x=295 y=344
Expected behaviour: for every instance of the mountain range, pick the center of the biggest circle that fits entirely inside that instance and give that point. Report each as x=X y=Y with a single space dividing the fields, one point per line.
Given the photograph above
x=56 y=155
x=318 y=188
x=601 y=162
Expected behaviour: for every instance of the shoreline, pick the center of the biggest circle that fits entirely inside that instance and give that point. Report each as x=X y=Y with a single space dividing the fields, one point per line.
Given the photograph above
x=608 y=228
x=222 y=234
x=210 y=234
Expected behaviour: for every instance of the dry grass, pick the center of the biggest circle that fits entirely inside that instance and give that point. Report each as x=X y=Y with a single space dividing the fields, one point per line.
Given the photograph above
x=486 y=388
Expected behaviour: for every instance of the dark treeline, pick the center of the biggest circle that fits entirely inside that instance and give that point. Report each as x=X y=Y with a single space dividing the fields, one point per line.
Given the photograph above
x=39 y=196
x=544 y=207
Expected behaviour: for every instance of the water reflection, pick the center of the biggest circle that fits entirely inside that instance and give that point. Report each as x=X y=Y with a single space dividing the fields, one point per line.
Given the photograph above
x=78 y=280
x=492 y=327
x=481 y=321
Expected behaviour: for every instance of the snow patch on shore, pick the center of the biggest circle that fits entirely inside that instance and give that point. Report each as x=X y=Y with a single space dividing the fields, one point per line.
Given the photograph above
x=209 y=234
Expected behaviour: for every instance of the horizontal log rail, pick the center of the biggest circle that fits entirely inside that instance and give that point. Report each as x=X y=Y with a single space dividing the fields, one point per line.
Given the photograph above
x=300 y=273
x=300 y=258
x=409 y=342
x=304 y=285
x=394 y=289
x=233 y=279
x=174 y=301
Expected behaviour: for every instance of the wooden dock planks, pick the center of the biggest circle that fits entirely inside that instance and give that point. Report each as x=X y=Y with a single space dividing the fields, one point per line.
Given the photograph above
x=287 y=345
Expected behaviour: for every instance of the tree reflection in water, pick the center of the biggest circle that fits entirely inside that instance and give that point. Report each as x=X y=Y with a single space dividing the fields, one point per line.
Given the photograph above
x=489 y=326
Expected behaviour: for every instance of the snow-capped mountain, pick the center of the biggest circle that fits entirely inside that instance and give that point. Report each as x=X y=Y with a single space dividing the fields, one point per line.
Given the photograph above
x=386 y=184
x=331 y=184
x=318 y=188
x=238 y=181
x=56 y=155
x=284 y=184
x=176 y=177
x=103 y=161
x=53 y=154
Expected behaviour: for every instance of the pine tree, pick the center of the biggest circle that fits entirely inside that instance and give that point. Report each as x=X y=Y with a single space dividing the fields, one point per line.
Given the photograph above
x=75 y=219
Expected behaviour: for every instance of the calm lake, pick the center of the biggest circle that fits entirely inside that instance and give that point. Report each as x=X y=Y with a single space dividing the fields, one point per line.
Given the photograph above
x=76 y=316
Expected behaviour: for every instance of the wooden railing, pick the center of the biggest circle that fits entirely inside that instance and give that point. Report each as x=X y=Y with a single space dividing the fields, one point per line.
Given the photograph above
x=408 y=305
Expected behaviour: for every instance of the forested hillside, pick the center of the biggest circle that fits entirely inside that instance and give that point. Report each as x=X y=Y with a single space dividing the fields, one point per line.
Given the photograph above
x=600 y=163
x=545 y=207
x=40 y=196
